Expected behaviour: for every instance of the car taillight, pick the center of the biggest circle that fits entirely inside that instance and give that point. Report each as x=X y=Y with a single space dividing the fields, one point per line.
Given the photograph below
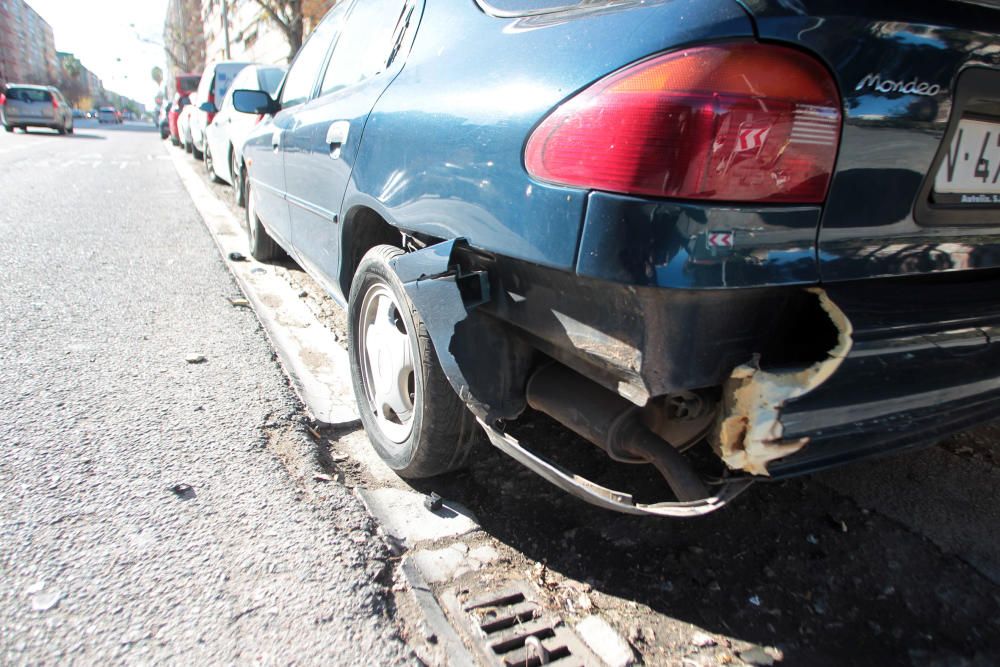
x=211 y=100
x=3 y=99
x=55 y=103
x=731 y=122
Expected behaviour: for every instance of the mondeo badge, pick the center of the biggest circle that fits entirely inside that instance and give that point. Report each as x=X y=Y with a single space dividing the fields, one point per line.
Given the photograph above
x=912 y=87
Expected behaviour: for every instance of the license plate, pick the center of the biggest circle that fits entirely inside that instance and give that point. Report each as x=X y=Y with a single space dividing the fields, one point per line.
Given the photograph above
x=970 y=172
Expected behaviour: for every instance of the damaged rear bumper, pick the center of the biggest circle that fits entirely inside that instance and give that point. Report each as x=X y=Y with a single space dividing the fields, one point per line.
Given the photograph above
x=924 y=362
x=806 y=378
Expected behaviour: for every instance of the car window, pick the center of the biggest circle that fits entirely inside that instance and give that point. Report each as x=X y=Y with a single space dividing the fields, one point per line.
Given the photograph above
x=366 y=44
x=28 y=95
x=269 y=79
x=305 y=70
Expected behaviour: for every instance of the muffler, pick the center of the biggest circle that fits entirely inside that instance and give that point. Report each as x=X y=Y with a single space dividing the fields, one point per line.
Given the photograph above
x=612 y=423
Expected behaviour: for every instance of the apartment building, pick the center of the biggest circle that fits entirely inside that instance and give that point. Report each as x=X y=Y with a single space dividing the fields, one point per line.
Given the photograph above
x=27 y=46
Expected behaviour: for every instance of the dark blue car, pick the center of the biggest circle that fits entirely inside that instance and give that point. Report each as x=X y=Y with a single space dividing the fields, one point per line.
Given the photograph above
x=769 y=229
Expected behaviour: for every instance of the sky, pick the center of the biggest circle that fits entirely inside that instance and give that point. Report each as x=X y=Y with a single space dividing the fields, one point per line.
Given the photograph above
x=99 y=33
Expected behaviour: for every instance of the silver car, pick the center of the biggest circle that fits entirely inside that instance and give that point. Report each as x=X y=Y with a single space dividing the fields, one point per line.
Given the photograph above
x=27 y=106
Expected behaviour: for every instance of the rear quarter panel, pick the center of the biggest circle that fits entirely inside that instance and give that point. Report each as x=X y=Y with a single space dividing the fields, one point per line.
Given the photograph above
x=442 y=150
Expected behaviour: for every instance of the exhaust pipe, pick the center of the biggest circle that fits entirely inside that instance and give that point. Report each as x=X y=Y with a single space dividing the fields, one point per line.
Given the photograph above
x=612 y=423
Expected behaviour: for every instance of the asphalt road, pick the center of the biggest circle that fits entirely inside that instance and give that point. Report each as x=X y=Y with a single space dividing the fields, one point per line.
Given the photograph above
x=145 y=513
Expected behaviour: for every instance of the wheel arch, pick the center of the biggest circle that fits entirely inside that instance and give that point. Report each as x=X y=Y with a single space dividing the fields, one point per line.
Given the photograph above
x=365 y=225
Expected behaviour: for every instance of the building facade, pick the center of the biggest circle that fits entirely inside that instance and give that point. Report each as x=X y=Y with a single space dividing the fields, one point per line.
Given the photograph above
x=85 y=90
x=27 y=46
x=184 y=40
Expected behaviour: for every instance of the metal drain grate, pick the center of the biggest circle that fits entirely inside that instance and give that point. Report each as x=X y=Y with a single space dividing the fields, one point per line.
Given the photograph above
x=510 y=628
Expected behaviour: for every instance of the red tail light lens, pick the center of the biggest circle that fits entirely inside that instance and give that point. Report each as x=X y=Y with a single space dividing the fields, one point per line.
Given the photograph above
x=55 y=103
x=3 y=99
x=732 y=122
x=211 y=115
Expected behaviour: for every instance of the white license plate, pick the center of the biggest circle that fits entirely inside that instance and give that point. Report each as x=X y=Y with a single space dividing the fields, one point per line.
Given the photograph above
x=972 y=165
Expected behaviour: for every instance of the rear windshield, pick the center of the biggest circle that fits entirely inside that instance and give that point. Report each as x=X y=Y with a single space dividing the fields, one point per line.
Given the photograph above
x=188 y=84
x=269 y=79
x=28 y=95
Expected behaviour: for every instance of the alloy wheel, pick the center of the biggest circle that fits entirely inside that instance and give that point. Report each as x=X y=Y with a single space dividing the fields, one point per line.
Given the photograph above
x=386 y=360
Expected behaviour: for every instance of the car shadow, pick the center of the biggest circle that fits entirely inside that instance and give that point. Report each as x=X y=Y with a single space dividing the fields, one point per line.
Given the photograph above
x=791 y=564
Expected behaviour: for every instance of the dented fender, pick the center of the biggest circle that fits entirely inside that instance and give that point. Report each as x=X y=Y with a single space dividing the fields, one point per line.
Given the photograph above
x=473 y=349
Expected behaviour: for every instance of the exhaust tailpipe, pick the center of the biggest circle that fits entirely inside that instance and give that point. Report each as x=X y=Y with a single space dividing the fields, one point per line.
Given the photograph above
x=612 y=423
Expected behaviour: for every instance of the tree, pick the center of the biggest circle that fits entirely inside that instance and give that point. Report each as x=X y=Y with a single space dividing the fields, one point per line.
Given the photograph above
x=70 y=83
x=295 y=18
x=184 y=37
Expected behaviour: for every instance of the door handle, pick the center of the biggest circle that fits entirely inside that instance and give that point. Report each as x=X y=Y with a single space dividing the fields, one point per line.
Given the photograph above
x=336 y=137
x=276 y=140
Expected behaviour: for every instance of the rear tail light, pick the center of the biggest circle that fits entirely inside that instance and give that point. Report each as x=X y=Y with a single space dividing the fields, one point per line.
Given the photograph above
x=731 y=122
x=55 y=103
x=211 y=100
x=3 y=99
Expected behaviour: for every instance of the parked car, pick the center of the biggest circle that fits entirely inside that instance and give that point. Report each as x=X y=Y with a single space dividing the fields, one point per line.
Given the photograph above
x=180 y=101
x=767 y=231
x=185 y=84
x=184 y=128
x=24 y=106
x=108 y=115
x=214 y=84
x=225 y=135
x=163 y=121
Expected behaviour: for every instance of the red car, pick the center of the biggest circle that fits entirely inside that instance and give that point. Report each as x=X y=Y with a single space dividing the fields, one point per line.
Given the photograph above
x=186 y=84
x=180 y=101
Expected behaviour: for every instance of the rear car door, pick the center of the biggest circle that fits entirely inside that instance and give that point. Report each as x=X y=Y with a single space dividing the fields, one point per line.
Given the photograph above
x=324 y=142
x=264 y=151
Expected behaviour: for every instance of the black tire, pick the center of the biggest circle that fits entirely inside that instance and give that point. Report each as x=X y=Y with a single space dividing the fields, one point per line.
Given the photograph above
x=442 y=430
x=69 y=130
x=195 y=153
x=9 y=128
x=210 y=165
x=187 y=146
x=263 y=248
x=61 y=130
x=175 y=141
x=239 y=177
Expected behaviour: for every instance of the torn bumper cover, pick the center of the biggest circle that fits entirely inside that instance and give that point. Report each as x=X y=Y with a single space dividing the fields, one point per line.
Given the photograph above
x=915 y=361
x=907 y=362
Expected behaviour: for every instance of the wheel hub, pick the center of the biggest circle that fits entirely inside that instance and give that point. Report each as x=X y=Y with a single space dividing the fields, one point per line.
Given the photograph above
x=386 y=360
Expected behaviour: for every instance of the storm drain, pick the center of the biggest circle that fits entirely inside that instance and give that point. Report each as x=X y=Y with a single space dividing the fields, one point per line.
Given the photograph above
x=510 y=628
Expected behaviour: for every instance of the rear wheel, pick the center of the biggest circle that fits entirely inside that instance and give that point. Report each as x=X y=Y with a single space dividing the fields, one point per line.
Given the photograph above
x=210 y=165
x=195 y=153
x=9 y=128
x=262 y=246
x=236 y=171
x=61 y=129
x=413 y=417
